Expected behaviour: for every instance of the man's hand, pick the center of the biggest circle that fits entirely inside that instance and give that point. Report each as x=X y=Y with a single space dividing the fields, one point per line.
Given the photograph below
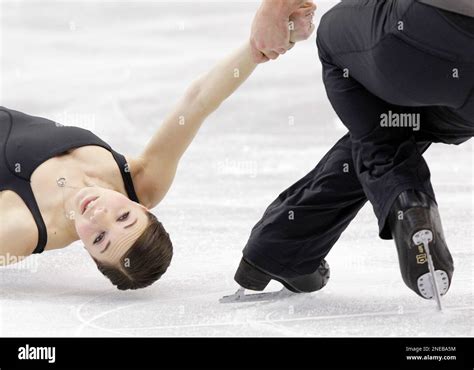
x=301 y=23
x=271 y=28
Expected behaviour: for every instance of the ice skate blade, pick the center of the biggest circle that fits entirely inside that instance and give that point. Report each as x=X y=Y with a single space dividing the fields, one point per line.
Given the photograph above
x=240 y=296
x=425 y=284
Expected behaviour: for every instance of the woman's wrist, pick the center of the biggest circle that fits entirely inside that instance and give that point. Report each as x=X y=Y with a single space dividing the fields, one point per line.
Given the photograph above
x=247 y=47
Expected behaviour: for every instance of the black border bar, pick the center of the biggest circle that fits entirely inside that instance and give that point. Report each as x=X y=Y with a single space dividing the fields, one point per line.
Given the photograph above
x=258 y=353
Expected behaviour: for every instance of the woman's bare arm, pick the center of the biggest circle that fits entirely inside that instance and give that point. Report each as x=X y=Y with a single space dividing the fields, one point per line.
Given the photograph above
x=160 y=158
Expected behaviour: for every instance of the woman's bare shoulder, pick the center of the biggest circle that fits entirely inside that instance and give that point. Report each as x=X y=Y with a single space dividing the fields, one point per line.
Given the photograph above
x=151 y=182
x=140 y=179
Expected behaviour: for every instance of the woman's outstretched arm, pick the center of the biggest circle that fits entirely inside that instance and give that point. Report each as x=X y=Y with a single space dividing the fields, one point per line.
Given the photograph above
x=160 y=158
x=202 y=97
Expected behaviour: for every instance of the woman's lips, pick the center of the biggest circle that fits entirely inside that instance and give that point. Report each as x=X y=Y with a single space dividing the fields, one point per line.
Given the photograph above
x=85 y=202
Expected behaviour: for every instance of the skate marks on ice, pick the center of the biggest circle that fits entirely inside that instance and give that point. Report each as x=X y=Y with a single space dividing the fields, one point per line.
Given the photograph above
x=276 y=322
x=186 y=304
x=315 y=314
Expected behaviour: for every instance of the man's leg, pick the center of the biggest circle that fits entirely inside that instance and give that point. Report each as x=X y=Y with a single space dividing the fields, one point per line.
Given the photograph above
x=302 y=224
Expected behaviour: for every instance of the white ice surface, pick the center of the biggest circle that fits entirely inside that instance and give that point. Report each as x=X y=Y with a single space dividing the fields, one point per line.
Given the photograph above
x=117 y=68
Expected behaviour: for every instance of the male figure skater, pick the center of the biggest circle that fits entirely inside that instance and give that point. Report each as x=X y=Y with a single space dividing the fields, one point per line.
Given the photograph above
x=400 y=75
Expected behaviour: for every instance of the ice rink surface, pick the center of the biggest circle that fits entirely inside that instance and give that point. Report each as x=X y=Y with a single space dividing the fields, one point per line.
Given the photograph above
x=117 y=68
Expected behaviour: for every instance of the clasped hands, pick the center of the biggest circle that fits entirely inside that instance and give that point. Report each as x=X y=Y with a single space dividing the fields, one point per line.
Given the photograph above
x=274 y=32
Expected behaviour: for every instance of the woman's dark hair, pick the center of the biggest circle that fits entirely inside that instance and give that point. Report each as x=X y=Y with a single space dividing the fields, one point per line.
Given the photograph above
x=147 y=259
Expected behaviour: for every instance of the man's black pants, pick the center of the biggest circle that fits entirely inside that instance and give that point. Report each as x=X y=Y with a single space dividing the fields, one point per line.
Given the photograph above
x=400 y=76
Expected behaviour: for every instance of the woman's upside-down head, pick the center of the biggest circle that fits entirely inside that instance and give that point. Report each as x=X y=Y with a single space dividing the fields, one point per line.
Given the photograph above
x=126 y=241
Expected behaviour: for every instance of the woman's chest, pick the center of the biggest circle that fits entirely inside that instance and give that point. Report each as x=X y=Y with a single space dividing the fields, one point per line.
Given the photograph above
x=17 y=217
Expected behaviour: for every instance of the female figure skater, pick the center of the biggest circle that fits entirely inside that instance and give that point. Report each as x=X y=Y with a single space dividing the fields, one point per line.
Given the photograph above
x=60 y=184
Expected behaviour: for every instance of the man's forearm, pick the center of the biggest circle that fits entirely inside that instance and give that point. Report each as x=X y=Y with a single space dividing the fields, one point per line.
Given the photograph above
x=283 y=8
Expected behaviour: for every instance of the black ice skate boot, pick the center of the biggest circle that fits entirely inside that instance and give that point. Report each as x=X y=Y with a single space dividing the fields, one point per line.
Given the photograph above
x=251 y=277
x=416 y=228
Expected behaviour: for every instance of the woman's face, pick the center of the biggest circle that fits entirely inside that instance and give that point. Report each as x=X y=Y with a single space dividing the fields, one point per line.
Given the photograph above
x=108 y=222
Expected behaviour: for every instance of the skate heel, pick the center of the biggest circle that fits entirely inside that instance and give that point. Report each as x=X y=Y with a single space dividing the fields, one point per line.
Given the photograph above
x=435 y=283
x=425 y=285
x=310 y=282
x=249 y=277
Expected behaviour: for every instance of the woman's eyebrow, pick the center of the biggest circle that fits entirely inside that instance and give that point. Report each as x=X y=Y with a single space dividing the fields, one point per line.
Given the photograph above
x=130 y=225
x=125 y=227
x=106 y=247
